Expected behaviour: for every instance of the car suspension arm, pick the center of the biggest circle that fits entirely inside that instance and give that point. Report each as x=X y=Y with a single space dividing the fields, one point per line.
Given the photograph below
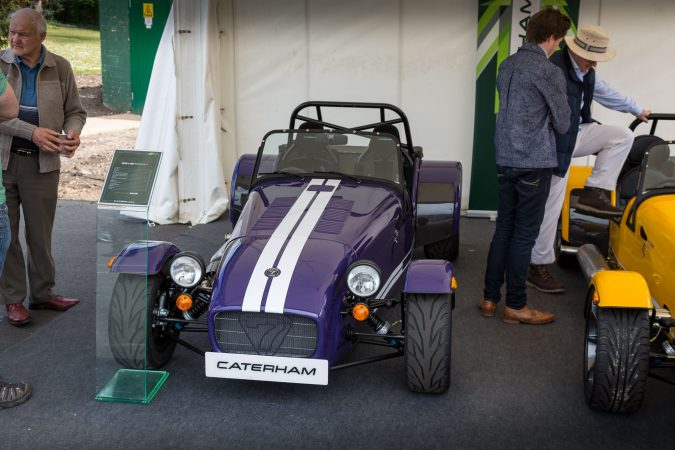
x=187 y=345
x=368 y=360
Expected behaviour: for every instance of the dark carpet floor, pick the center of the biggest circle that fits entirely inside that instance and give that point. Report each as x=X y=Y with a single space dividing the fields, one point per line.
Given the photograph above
x=512 y=386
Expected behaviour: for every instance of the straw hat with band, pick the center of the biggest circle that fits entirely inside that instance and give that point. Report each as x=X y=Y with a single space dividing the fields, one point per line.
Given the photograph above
x=591 y=42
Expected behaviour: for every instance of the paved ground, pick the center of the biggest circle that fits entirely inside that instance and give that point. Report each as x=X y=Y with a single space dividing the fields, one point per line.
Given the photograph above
x=512 y=386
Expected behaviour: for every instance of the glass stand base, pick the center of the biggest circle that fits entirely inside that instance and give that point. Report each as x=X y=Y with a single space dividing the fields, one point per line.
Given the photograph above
x=132 y=386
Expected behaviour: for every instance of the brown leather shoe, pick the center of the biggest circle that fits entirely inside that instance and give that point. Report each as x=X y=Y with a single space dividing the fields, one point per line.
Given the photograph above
x=58 y=303
x=527 y=315
x=17 y=314
x=487 y=308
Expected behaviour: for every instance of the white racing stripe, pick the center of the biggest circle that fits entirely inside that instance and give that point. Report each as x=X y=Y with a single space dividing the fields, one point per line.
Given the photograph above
x=276 y=297
x=393 y=277
x=256 y=284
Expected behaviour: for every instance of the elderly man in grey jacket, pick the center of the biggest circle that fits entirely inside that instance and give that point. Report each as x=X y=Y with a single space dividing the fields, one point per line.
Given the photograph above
x=532 y=104
x=50 y=120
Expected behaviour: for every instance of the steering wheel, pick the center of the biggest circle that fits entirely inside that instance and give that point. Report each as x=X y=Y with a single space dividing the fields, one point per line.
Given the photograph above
x=296 y=157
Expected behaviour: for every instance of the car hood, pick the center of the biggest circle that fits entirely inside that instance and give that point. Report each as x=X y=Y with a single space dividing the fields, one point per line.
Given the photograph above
x=294 y=242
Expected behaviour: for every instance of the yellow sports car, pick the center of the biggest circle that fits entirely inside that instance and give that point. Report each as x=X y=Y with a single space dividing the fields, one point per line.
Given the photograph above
x=630 y=269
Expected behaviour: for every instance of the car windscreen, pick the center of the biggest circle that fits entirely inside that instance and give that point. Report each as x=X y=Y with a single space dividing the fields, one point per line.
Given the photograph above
x=325 y=153
x=658 y=171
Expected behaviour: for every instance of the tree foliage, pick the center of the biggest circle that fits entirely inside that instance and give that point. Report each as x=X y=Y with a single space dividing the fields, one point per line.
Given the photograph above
x=72 y=12
x=6 y=8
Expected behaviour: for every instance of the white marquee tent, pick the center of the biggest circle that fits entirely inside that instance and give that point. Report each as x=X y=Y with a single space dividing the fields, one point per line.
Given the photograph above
x=228 y=71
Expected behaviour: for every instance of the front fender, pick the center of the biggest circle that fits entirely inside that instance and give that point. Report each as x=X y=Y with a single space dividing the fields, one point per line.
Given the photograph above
x=621 y=289
x=439 y=197
x=429 y=276
x=146 y=257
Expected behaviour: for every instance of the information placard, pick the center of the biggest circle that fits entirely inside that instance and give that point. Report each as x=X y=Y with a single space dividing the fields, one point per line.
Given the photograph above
x=131 y=177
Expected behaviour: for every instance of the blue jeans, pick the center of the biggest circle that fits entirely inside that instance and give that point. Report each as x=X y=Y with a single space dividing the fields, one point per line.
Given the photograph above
x=5 y=234
x=522 y=200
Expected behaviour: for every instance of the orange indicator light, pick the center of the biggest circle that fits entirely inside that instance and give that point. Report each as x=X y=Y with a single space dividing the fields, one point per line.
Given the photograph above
x=596 y=297
x=184 y=302
x=360 y=312
x=453 y=283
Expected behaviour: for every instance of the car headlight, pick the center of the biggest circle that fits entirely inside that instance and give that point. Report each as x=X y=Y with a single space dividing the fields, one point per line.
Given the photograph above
x=187 y=269
x=363 y=280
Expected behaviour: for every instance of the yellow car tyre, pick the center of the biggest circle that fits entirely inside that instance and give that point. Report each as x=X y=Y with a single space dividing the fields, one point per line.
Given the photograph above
x=616 y=360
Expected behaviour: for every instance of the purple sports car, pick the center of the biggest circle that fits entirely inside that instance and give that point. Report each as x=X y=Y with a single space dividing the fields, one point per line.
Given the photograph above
x=329 y=218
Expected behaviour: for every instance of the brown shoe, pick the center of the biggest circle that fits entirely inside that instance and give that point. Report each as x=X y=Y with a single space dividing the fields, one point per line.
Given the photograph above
x=527 y=315
x=17 y=314
x=487 y=308
x=540 y=278
x=596 y=202
x=58 y=303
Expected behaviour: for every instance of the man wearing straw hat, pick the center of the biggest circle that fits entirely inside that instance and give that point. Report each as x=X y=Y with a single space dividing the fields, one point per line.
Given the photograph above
x=611 y=144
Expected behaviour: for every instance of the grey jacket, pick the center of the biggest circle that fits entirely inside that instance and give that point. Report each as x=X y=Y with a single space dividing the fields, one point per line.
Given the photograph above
x=59 y=105
x=532 y=103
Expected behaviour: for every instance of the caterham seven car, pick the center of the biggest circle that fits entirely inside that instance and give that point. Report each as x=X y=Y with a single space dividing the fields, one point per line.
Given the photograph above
x=629 y=263
x=329 y=220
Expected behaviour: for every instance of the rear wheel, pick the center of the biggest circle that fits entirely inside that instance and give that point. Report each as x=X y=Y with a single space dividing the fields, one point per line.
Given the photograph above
x=447 y=249
x=428 y=324
x=130 y=321
x=616 y=361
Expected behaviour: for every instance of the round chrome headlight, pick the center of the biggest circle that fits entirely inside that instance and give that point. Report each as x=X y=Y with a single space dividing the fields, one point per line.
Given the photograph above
x=187 y=270
x=363 y=280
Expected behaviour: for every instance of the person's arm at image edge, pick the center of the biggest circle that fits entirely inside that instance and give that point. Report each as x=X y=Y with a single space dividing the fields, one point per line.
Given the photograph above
x=9 y=106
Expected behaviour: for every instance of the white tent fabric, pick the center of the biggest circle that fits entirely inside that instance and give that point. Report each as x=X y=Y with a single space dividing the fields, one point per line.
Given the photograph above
x=235 y=69
x=242 y=66
x=182 y=118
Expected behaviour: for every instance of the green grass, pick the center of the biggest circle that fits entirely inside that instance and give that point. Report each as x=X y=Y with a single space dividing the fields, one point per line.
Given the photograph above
x=80 y=46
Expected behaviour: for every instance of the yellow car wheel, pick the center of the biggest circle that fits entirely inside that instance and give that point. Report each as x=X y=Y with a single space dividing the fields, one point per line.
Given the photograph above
x=616 y=360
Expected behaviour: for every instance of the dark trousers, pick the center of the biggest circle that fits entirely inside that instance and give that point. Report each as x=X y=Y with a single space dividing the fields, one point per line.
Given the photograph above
x=34 y=194
x=522 y=200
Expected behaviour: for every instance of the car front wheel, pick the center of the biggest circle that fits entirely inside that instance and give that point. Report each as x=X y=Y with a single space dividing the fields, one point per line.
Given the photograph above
x=616 y=360
x=428 y=323
x=131 y=333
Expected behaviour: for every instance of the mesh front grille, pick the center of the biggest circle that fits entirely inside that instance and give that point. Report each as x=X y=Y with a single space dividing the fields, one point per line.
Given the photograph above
x=265 y=334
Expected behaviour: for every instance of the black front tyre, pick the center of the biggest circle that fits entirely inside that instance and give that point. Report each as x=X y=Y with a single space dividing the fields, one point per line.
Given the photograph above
x=428 y=325
x=447 y=249
x=130 y=323
x=616 y=362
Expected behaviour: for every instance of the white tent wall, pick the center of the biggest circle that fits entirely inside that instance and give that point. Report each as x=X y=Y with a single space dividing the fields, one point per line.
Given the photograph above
x=247 y=63
x=183 y=117
x=644 y=67
x=416 y=54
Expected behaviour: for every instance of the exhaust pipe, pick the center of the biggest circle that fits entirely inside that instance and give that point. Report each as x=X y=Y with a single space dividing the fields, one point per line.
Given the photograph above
x=591 y=260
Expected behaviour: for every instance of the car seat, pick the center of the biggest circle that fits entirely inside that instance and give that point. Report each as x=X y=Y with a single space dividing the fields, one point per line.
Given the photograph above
x=629 y=176
x=308 y=153
x=660 y=168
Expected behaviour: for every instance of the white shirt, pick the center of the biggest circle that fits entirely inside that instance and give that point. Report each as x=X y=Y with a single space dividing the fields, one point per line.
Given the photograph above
x=608 y=96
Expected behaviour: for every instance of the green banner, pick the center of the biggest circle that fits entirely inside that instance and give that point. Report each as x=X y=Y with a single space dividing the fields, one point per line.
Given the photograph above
x=501 y=30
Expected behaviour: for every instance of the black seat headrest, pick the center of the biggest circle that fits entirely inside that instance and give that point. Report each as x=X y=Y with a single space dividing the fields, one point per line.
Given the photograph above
x=658 y=153
x=640 y=145
x=388 y=128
